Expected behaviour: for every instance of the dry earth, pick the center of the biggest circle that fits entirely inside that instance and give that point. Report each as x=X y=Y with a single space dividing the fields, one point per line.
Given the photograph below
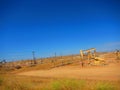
x=109 y=72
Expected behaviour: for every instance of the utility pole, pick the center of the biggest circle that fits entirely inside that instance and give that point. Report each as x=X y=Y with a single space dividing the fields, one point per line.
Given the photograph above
x=55 y=54
x=34 y=57
x=55 y=59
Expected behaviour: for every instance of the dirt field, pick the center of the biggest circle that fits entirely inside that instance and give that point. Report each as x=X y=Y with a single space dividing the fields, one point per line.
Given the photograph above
x=66 y=77
x=109 y=72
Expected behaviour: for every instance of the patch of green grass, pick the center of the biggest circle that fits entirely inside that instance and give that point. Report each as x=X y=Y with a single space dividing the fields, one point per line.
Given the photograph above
x=67 y=84
x=56 y=85
x=104 y=86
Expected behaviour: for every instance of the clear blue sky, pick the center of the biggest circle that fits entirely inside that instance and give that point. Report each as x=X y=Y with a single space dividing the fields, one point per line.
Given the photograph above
x=61 y=26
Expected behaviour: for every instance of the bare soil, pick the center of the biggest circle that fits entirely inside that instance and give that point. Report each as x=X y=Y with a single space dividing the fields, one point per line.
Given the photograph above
x=109 y=72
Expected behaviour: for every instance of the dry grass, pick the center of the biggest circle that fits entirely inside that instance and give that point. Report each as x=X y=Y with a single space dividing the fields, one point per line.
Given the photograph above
x=48 y=63
x=13 y=82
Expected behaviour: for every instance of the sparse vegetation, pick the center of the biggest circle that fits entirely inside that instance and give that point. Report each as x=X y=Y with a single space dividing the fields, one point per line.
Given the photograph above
x=1 y=80
x=104 y=86
x=73 y=84
x=18 y=67
x=67 y=84
x=9 y=82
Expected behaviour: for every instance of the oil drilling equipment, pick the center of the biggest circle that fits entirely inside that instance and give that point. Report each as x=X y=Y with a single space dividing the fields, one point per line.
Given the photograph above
x=90 y=56
x=117 y=52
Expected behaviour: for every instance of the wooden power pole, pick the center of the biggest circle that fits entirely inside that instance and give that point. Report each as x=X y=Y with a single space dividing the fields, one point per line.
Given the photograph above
x=34 y=59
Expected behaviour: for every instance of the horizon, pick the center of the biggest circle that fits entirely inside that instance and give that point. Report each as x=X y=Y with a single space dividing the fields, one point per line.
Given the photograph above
x=62 y=27
x=52 y=56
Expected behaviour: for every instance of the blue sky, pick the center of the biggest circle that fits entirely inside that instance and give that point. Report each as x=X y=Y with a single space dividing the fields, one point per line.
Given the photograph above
x=61 y=26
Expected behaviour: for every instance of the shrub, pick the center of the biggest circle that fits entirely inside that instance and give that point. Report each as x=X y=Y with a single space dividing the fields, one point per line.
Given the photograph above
x=18 y=67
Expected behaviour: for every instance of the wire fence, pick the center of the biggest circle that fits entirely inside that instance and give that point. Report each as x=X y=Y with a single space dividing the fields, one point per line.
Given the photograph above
x=50 y=62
